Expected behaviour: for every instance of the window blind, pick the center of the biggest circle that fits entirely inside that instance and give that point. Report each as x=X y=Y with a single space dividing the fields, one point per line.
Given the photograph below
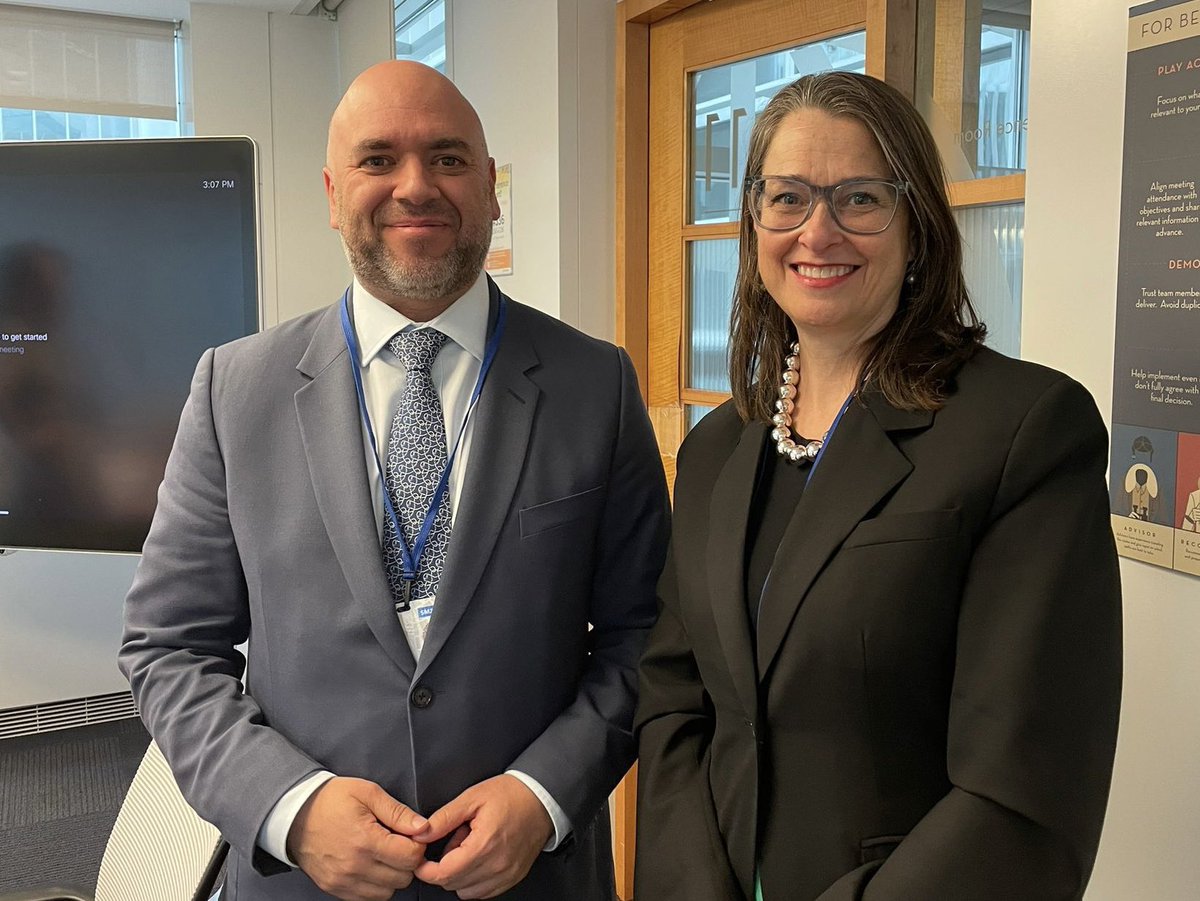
x=86 y=63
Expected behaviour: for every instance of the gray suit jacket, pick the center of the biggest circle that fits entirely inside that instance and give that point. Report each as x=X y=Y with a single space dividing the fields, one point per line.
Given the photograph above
x=265 y=533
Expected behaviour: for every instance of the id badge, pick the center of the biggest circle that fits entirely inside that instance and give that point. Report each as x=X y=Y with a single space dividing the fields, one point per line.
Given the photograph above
x=415 y=622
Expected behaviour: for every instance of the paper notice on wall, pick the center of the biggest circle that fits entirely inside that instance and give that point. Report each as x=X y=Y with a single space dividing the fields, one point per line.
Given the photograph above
x=500 y=254
x=1154 y=468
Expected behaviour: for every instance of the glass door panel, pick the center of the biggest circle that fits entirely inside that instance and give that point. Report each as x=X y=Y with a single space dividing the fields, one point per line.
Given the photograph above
x=999 y=135
x=696 y=412
x=725 y=101
x=993 y=258
x=713 y=265
x=974 y=85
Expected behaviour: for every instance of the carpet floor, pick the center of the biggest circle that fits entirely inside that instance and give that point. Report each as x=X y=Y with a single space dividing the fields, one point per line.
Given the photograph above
x=59 y=796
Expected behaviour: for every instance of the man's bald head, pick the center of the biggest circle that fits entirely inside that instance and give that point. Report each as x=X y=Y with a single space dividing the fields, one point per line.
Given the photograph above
x=411 y=186
x=401 y=84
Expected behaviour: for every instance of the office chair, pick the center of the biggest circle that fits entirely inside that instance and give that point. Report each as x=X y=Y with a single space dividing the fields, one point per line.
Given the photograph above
x=159 y=848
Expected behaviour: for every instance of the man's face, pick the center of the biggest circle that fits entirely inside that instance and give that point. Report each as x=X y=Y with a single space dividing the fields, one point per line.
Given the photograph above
x=412 y=191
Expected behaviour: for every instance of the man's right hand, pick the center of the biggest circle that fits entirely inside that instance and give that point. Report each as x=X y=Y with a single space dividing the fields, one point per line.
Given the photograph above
x=351 y=838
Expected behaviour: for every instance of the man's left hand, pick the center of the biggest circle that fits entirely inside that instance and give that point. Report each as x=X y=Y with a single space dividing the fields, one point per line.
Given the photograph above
x=499 y=827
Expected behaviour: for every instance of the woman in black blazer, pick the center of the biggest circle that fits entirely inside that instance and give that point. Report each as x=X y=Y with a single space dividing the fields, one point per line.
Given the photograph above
x=888 y=661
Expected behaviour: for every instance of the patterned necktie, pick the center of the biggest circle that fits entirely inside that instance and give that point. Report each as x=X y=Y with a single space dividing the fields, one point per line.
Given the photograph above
x=416 y=457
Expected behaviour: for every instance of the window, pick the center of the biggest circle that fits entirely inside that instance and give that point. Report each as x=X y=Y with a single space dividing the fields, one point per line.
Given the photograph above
x=47 y=125
x=423 y=33
x=974 y=95
x=1003 y=94
x=79 y=76
x=725 y=101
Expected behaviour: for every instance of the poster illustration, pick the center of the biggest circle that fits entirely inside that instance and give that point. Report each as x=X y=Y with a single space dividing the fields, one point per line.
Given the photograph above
x=500 y=254
x=1154 y=470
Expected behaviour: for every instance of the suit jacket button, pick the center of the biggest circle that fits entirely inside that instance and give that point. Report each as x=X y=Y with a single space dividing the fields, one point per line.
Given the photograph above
x=421 y=697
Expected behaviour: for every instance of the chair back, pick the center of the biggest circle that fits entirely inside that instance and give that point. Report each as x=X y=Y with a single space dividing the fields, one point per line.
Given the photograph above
x=159 y=849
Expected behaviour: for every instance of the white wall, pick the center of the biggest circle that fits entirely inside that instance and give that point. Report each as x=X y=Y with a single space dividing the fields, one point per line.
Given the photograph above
x=539 y=72
x=366 y=35
x=506 y=61
x=275 y=78
x=587 y=160
x=60 y=625
x=311 y=270
x=1076 y=115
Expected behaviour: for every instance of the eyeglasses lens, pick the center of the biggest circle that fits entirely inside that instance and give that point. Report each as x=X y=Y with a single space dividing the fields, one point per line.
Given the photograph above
x=863 y=207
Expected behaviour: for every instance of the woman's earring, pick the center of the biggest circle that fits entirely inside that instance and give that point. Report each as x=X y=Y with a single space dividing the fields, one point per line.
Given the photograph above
x=911 y=278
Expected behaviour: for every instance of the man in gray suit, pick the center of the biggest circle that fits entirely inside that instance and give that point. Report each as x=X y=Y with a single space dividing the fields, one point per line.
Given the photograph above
x=442 y=566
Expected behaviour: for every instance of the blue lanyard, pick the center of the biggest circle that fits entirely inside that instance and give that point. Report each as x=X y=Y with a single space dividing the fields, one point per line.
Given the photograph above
x=410 y=558
x=829 y=437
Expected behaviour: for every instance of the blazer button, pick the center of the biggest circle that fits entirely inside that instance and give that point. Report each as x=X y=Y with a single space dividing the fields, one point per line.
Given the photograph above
x=421 y=697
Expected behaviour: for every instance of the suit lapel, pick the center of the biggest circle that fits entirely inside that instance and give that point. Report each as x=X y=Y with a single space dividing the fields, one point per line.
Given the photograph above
x=327 y=410
x=729 y=510
x=499 y=441
x=861 y=466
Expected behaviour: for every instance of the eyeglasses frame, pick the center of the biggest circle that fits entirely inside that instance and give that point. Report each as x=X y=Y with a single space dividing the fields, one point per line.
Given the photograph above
x=825 y=192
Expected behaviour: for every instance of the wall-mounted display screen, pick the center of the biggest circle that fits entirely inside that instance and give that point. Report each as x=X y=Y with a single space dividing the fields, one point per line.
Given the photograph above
x=120 y=263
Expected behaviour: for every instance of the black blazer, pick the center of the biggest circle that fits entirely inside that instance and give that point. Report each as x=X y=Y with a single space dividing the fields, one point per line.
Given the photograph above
x=932 y=710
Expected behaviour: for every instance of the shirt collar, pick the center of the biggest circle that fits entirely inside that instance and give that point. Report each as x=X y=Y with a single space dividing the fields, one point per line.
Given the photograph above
x=464 y=322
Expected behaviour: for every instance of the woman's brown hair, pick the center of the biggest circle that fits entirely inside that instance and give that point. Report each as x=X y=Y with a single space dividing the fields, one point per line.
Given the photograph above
x=934 y=329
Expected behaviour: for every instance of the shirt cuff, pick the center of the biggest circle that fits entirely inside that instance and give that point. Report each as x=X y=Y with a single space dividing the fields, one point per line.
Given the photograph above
x=273 y=835
x=562 y=825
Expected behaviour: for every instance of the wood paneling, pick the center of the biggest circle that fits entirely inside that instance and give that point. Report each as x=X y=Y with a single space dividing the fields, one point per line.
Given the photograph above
x=984 y=191
x=649 y=11
x=625 y=816
x=715 y=33
x=704 y=398
x=714 y=230
x=667 y=146
x=668 y=426
x=891 y=47
x=956 y=61
x=632 y=163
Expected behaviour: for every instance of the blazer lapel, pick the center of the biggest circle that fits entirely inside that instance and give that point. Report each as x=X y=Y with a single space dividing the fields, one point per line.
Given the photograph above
x=729 y=511
x=860 y=467
x=499 y=441
x=327 y=410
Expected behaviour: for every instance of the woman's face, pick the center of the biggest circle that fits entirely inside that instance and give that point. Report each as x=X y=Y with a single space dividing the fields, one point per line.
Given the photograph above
x=833 y=285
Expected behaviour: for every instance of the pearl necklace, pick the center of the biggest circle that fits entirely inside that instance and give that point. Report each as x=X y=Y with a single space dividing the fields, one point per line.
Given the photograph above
x=785 y=444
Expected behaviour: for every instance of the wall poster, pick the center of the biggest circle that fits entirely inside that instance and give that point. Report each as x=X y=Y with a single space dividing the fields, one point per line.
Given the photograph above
x=500 y=254
x=1154 y=470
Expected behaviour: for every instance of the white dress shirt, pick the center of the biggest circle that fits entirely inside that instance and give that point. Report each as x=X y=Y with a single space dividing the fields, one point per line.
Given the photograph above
x=454 y=372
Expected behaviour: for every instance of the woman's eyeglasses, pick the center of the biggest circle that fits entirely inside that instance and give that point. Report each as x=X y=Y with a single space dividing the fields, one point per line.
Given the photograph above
x=864 y=206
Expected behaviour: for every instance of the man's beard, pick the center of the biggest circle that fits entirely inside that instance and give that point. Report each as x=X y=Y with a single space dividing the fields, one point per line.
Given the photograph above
x=431 y=278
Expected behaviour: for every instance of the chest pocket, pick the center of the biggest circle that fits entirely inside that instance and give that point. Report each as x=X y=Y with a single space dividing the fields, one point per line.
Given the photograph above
x=920 y=526
x=554 y=514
